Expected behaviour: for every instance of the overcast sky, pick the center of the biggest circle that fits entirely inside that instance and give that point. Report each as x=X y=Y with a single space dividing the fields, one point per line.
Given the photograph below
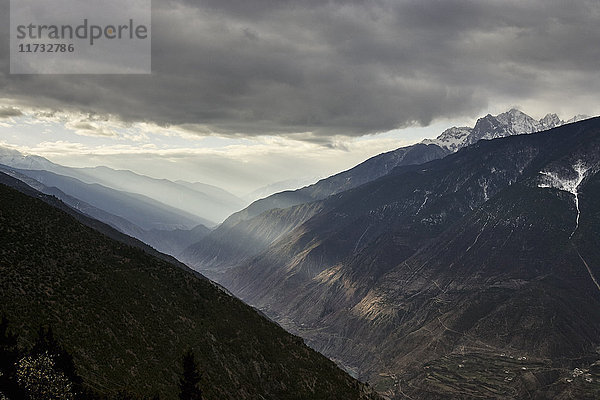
x=263 y=90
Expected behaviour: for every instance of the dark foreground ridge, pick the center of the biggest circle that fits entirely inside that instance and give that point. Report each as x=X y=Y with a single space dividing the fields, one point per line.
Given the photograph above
x=128 y=317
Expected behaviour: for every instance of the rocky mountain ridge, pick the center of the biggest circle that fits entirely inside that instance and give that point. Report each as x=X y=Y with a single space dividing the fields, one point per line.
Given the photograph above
x=512 y=122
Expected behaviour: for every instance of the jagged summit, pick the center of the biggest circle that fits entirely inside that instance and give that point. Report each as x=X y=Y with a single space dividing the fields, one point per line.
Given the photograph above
x=512 y=122
x=550 y=121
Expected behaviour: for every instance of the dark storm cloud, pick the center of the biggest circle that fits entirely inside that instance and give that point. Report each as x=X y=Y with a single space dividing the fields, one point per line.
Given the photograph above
x=338 y=67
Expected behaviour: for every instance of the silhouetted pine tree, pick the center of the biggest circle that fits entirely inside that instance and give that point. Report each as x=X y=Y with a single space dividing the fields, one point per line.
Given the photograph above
x=188 y=383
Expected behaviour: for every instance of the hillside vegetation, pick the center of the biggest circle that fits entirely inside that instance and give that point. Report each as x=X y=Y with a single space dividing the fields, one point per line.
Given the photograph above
x=127 y=317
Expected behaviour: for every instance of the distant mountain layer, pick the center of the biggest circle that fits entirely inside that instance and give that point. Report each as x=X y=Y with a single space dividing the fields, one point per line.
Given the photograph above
x=209 y=203
x=471 y=276
x=128 y=317
x=143 y=211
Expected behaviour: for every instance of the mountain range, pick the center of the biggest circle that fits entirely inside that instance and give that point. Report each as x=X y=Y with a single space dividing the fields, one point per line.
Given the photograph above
x=252 y=235
x=471 y=275
x=206 y=203
x=512 y=122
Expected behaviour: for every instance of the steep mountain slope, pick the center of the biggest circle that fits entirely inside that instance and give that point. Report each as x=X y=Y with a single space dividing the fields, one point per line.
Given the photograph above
x=510 y=280
x=384 y=276
x=211 y=203
x=127 y=317
x=413 y=204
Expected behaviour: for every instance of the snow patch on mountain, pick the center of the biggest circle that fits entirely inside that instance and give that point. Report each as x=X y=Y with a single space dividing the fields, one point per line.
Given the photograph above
x=452 y=139
x=567 y=184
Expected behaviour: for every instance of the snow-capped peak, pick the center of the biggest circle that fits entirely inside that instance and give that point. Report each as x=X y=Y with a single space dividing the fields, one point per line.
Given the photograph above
x=515 y=122
x=512 y=122
x=15 y=159
x=453 y=138
x=550 y=121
